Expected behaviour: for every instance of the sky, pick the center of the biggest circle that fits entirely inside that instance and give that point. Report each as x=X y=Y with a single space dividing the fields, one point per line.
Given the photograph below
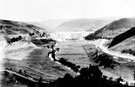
x=40 y=10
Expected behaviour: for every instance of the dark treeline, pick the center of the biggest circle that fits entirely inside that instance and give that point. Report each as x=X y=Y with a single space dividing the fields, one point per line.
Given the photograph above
x=130 y=51
x=40 y=34
x=43 y=41
x=65 y=62
x=89 y=77
x=90 y=37
x=102 y=59
x=106 y=61
x=14 y=39
x=69 y=64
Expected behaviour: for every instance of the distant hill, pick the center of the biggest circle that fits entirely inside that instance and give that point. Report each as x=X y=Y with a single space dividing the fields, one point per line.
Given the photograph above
x=41 y=26
x=8 y=27
x=53 y=23
x=113 y=29
x=82 y=25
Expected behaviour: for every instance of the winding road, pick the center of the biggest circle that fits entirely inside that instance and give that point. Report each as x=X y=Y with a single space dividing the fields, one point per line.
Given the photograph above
x=113 y=53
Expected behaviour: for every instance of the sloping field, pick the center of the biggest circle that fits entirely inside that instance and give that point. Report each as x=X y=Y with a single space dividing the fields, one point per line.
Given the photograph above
x=34 y=61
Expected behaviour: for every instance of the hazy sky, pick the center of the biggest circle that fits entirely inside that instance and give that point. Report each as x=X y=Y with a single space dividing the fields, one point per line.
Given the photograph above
x=39 y=10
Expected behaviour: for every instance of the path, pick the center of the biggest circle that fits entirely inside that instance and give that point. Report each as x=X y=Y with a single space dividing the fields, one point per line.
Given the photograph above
x=113 y=53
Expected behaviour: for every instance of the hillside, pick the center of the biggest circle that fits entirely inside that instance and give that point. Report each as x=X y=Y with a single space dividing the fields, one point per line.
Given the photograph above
x=116 y=40
x=40 y=25
x=124 y=42
x=82 y=25
x=27 y=53
x=113 y=29
x=8 y=27
x=126 y=46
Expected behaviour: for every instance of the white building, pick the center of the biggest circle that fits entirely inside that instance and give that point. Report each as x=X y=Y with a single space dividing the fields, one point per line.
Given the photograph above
x=62 y=36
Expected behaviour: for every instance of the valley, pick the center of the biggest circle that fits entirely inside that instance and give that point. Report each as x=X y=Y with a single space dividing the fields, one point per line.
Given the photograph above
x=29 y=56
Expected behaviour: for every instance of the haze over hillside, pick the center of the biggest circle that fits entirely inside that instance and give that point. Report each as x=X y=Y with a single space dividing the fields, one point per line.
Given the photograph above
x=82 y=25
x=53 y=23
x=41 y=25
x=115 y=28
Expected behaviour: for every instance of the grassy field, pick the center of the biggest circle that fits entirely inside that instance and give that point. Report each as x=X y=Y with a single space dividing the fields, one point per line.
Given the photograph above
x=73 y=51
x=80 y=53
x=36 y=63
